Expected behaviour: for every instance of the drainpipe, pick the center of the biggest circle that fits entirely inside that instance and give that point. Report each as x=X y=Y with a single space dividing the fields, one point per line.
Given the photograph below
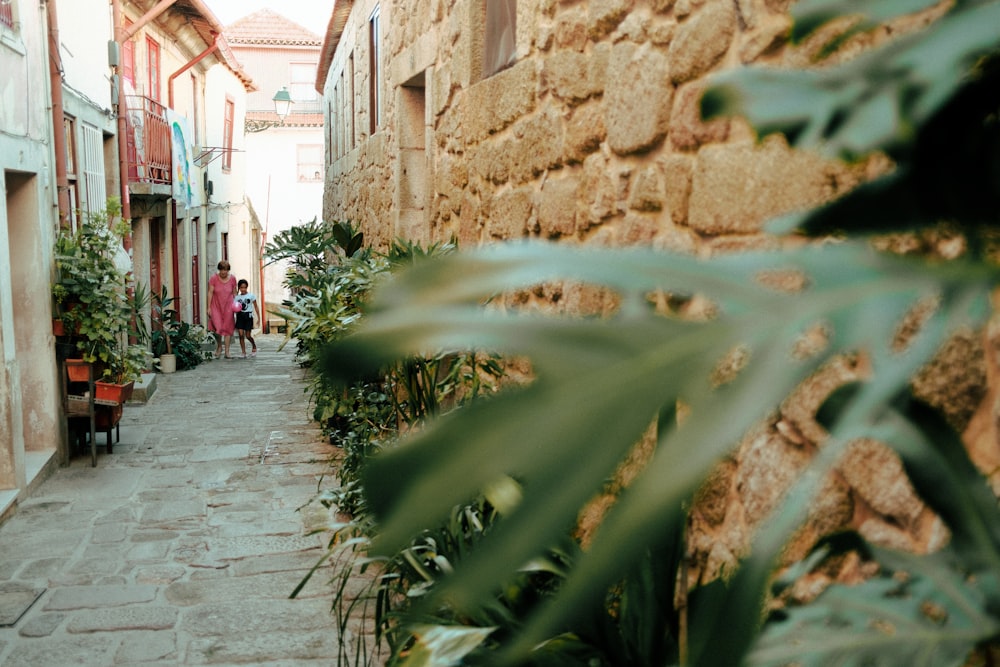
x=58 y=124
x=198 y=58
x=117 y=19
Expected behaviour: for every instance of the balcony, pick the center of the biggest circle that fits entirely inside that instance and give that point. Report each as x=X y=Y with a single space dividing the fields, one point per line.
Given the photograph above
x=147 y=144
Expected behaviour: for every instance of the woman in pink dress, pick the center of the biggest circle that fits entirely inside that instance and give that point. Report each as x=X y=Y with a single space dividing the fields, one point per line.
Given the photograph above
x=221 y=321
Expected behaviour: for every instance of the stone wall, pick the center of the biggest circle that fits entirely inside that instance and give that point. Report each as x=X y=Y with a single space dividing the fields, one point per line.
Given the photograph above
x=594 y=137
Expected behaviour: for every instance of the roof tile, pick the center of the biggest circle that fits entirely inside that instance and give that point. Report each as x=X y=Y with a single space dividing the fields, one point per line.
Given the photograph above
x=269 y=27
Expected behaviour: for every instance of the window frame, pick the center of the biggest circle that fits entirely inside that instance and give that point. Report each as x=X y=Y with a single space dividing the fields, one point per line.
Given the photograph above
x=313 y=151
x=306 y=83
x=7 y=16
x=375 y=119
x=128 y=58
x=228 y=123
x=153 y=56
x=499 y=53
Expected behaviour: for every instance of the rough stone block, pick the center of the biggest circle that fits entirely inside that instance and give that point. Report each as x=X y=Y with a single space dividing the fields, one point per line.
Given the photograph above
x=495 y=103
x=737 y=187
x=605 y=15
x=585 y=131
x=511 y=214
x=134 y=617
x=702 y=41
x=687 y=130
x=677 y=172
x=637 y=98
x=648 y=192
x=538 y=145
x=557 y=203
x=566 y=74
x=97 y=597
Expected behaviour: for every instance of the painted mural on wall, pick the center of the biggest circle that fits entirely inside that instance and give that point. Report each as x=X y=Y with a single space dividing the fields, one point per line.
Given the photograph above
x=181 y=162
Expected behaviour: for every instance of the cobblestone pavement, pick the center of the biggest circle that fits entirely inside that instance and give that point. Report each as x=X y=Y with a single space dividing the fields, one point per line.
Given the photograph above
x=183 y=545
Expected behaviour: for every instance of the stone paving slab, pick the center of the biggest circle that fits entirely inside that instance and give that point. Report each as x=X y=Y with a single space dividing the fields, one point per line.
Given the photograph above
x=181 y=547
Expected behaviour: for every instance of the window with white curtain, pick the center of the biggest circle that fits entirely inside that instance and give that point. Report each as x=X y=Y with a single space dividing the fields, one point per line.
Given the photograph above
x=302 y=78
x=499 y=36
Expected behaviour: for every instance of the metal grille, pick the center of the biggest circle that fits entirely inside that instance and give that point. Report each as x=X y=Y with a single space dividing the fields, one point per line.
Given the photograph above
x=148 y=141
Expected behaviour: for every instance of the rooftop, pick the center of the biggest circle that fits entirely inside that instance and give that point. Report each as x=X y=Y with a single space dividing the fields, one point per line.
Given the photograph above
x=269 y=27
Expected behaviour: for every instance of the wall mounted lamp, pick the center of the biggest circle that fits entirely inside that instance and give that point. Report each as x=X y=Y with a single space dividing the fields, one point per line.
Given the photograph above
x=282 y=107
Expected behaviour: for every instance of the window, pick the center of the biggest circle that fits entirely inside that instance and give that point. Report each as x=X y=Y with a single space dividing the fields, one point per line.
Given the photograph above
x=194 y=108
x=92 y=164
x=69 y=133
x=302 y=77
x=348 y=112
x=7 y=15
x=153 y=52
x=374 y=72
x=342 y=145
x=128 y=59
x=330 y=122
x=227 y=134
x=333 y=125
x=310 y=162
x=499 y=36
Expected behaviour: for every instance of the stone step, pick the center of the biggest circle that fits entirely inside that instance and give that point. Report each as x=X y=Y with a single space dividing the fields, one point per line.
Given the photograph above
x=144 y=388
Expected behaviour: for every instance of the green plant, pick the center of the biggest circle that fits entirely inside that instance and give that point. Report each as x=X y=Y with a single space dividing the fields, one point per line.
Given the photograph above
x=165 y=319
x=127 y=364
x=93 y=293
x=186 y=342
x=173 y=336
x=929 y=100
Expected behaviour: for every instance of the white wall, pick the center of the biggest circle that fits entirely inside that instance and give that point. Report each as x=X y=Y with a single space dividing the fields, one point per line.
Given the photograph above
x=84 y=31
x=279 y=197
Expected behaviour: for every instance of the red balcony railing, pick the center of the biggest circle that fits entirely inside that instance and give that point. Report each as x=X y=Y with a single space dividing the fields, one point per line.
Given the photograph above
x=148 y=140
x=7 y=15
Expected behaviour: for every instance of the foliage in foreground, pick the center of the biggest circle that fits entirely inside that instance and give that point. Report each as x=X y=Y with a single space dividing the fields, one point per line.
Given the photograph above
x=599 y=383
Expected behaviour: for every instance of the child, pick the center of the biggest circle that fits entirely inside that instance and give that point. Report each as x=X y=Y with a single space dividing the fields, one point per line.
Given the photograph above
x=244 y=318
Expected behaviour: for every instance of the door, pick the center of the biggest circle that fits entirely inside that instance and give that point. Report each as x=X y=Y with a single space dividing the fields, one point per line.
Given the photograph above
x=195 y=272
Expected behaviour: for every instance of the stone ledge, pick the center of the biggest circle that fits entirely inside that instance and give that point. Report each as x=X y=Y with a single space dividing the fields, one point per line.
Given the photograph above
x=144 y=388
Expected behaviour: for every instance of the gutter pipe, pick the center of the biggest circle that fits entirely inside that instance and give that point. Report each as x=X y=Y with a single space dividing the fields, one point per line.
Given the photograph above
x=58 y=123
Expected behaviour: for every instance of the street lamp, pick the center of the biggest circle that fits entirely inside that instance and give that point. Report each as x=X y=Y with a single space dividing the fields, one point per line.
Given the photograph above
x=282 y=106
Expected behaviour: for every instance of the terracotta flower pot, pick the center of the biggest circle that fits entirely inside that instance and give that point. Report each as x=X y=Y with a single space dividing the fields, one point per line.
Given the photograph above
x=119 y=393
x=77 y=372
x=107 y=416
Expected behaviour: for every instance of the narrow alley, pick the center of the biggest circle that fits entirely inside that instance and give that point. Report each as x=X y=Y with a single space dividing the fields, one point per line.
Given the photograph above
x=183 y=545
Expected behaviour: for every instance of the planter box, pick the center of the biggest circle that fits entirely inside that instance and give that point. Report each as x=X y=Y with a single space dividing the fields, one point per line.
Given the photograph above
x=107 y=416
x=77 y=372
x=117 y=393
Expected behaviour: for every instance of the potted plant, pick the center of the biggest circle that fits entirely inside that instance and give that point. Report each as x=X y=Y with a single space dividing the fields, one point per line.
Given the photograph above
x=93 y=297
x=165 y=319
x=124 y=368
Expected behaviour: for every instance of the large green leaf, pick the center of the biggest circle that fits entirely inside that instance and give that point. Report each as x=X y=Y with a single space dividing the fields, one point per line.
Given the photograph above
x=600 y=383
x=877 y=101
x=927 y=99
x=810 y=15
x=920 y=611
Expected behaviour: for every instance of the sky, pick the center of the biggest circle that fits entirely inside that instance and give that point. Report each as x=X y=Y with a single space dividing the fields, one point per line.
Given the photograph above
x=312 y=14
